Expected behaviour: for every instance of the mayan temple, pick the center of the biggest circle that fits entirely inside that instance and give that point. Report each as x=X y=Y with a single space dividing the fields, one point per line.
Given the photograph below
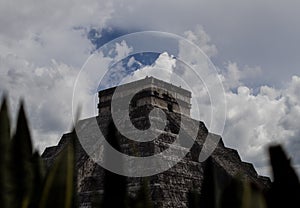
x=169 y=188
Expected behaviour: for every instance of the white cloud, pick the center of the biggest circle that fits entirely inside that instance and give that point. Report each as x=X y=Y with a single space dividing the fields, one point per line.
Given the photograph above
x=42 y=47
x=122 y=49
x=249 y=32
x=202 y=40
x=41 y=31
x=256 y=117
x=132 y=61
x=235 y=77
x=20 y=18
x=102 y=70
x=162 y=69
x=254 y=121
x=47 y=92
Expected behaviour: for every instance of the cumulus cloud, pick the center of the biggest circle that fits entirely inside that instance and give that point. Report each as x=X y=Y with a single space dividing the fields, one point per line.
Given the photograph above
x=122 y=49
x=162 y=68
x=249 y=32
x=102 y=70
x=22 y=17
x=234 y=77
x=42 y=48
x=41 y=31
x=47 y=92
x=202 y=40
x=256 y=120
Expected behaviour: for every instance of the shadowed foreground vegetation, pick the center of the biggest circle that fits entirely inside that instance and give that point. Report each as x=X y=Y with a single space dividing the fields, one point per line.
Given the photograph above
x=24 y=181
x=284 y=190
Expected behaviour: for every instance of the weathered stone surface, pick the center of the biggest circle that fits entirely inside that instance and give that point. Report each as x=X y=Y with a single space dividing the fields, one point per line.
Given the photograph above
x=170 y=188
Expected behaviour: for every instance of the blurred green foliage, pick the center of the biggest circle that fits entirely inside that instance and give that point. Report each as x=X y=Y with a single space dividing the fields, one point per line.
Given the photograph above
x=238 y=193
x=23 y=179
x=25 y=182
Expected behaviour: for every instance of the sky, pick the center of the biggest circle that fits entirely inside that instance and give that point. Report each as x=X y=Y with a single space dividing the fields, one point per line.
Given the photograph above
x=253 y=44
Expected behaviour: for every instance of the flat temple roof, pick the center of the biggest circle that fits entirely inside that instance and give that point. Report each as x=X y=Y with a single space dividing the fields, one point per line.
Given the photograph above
x=148 y=80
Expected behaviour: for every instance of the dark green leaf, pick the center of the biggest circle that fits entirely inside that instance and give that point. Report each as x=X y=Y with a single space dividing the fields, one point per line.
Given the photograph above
x=285 y=190
x=143 y=198
x=21 y=164
x=5 y=185
x=115 y=186
x=59 y=187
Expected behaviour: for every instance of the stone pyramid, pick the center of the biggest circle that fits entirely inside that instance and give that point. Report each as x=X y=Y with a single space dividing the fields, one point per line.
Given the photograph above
x=169 y=188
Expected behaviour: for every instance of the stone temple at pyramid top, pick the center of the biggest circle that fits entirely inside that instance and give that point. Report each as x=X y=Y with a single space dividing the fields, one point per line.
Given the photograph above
x=151 y=91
